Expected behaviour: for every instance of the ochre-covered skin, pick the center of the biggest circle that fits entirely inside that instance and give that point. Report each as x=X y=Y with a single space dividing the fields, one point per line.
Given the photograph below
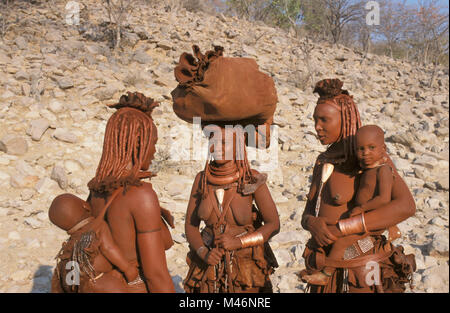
x=68 y=209
x=134 y=216
x=338 y=195
x=139 y=211
x=375 y=186
x=251 y=270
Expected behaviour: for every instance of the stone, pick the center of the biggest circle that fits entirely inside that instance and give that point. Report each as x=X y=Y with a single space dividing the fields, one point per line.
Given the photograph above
x=164 y=44
x=436 y=278
x=72 y=166
x=21 y=275
x=22 y=75
x=59 y=175
x=298 y=250
x=130 y=39
x=65 y=135
x=289 y=236
x=406 y=138
x=439 y=245
x=65 y=83
x=21 y=43
x=6 y=95
x=283 y=257
x=438 y=221
x=13 y=144
x=14 y=235
x=105 y=93
x=33 y=243
x=37 y=128
x=426 y=161
x=34 y=223
x=23 y=181
x=288 y=282
x=4 y=177
x=175 y=188
x=179 y=238
x=56 y=106
x=27 y=194
x=142 y=57
x=443 y=183
x=46 y=186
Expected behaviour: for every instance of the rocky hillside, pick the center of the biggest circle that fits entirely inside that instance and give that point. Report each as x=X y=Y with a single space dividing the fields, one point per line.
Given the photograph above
x=56 y=79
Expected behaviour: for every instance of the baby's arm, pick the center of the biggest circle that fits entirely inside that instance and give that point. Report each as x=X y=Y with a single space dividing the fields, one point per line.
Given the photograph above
x=385 y=180
x=112 y=252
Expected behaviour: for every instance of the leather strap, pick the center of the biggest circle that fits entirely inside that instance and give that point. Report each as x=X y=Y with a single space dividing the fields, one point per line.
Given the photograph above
x=357 y=262
x=80 y=225
x=102 y=213
x=225 y=208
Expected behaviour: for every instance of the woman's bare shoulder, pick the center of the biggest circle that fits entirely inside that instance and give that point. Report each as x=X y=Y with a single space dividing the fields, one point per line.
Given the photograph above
x=142 y=197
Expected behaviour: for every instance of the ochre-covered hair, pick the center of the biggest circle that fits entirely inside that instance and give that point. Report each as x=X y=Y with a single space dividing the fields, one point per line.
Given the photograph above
x=331 y=92
x=127 y=141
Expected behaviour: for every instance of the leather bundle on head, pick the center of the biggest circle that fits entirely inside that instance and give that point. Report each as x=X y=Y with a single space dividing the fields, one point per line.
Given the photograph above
x=224 y=90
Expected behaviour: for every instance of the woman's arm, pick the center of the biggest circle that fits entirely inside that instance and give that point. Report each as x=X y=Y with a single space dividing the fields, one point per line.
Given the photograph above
x=147 y=216
x=191 y=225
x=114 y=255
x=323 y=234
x=269 y=212
x=270 y=228
x=192 y=221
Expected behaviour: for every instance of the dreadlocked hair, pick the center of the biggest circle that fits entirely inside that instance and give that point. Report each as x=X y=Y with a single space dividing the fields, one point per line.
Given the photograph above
x=245 y=174
x=330 y=91
x=127 y=141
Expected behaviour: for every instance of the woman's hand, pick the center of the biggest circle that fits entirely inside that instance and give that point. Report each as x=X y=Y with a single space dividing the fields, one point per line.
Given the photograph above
x=228 y=242
x=213 y=256
x=131 y=273
x=355 y=211
x=320 y=231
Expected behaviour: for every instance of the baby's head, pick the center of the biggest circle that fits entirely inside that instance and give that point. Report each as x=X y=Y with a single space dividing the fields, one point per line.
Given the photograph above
x=67 y=210
x=370 y=146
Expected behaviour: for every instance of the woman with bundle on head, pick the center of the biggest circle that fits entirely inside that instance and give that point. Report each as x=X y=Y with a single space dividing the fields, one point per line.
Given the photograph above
x=231 y=253
x=130 y=206
x=372 y=264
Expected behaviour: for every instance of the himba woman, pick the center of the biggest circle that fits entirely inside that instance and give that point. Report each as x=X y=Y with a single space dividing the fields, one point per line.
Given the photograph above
x=231 y=253
x=134 y=215
x=336 y=120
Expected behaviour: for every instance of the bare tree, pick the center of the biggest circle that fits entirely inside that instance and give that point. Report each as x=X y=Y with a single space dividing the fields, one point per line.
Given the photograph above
x=431 y=31
x=4 y=13
x=304 y=52
x=395 y=23
x=341 y=12
x=118 y=11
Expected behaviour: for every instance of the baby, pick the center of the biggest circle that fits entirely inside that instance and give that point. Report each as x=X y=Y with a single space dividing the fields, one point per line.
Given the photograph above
x=91 y=245
x=374 y=191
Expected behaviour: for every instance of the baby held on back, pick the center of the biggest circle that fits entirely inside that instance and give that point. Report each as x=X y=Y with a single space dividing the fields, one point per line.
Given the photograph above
x=72 y=214
x=374 y=190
